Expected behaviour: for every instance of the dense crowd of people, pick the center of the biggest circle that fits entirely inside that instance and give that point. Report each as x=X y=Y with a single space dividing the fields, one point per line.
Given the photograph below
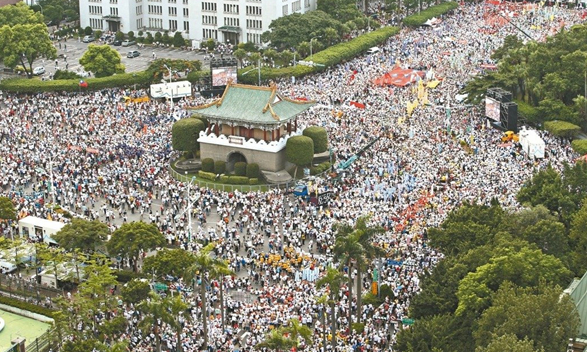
x=103 y=159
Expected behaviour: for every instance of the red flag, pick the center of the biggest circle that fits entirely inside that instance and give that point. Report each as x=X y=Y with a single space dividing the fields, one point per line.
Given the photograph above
x=83 y=84
x=357 y=104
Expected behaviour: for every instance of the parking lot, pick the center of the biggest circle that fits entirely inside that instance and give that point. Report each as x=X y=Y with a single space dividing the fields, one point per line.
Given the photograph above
x=69 y=52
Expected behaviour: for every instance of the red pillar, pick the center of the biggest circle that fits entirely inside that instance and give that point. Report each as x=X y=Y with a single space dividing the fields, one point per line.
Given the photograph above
x=296 y=125
x=265 y=135
x=232 y=130
x=288 y=127
x=278 y=133
x=250 y=133
x=217 y=130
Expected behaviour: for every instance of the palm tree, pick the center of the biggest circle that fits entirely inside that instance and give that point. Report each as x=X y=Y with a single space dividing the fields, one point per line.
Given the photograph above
x=240 y=55
x=205 y=263
x=346 y=249
x=177 y=306
x=334 y=279
x=219 y=271
x=155 y=311
x=322 y=301
x=296 y=329
x=277 y=340
x=364 y=235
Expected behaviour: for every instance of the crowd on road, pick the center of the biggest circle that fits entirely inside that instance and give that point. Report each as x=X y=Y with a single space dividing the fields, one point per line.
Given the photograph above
x=108 y=160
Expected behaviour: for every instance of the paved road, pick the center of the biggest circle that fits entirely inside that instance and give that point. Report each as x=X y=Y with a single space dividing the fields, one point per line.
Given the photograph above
x=74 y=49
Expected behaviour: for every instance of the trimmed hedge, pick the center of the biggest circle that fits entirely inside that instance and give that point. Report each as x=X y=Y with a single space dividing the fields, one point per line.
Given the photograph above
x=238 y=180
x=253 y=181
x=419 y=19
x=328 y=57
x=219 y=167
x=207 y=175
x=580 y=146
x=562 y=128
x=252 y=170
x=319 y=136
x=315 y=170
x=240 y=168
x=299 y=150
x=20 y=85
x=16 y=303
x=184 y=135
x=208 y=165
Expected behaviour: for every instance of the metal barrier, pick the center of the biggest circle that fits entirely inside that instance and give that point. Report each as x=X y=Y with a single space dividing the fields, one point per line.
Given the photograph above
x=41 y=343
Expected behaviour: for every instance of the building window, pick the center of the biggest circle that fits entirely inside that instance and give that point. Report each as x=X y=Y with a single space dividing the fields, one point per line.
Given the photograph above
x=229 y=8
x=186 y=13
x=113 y=11
x=186 y=26
x=173 y=11
x=229 y=21
x=285 y=12
x=173 y=25
x=209 y=6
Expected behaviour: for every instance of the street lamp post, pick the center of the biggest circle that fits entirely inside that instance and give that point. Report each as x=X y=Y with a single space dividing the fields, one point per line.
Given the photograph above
x=311 y=41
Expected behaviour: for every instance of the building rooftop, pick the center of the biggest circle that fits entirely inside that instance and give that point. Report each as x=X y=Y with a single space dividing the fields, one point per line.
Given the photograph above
x=253 y=105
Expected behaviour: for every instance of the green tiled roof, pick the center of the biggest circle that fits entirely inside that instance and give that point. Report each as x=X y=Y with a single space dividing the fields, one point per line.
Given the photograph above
x=253 y=105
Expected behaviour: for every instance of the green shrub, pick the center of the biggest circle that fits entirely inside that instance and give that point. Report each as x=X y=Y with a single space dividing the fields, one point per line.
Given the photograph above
x=299 y=150
x=64 y=74
x=252 y=170
x=315 y=170
x=207 y=175
x=224 y=179
x=20 y=85
x=580 y=146
x=319 y=136
x=184 y=135
x=240 y=168
x=208 y=165
x=562 y=128
x=253 y=181
x=26 y=306
x=219 y=167
x=419 y=19
x=238 y=180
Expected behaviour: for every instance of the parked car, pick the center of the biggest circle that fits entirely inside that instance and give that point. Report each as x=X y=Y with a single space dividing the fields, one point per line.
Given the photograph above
x=37 y=71
x=128 y=42
x=88 y=39
x=132 y=54
x=117 y=42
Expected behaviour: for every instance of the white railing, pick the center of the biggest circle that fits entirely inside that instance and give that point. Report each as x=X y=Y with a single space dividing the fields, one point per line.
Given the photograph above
x=242 y=142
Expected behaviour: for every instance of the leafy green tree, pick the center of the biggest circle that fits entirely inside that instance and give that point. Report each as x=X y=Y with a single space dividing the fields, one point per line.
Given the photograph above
x=277 y=340
x=467 y=227
x=219 y=271
x=135 y=291
x=240 y=55
x=554 y=318
x=87 y=236
x=299 y=150
x=578 y=236
x=508 y=343
x=131 y=35
x=270 y=55
x=346 y=249
x=185 y=133
x=297 y=330
x=102 y=60
x=7 y=210
x=334 y=279
x=342 y=10
x=169 y=262
x=289 y=31
x=550 y=236
x=527 y=267
x=23 y=44
x=131 y=239
x=19 y=13
x=178 y=40
x=438 y=333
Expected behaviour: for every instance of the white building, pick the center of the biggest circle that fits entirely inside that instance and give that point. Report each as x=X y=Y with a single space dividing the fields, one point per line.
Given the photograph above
x=226 y=21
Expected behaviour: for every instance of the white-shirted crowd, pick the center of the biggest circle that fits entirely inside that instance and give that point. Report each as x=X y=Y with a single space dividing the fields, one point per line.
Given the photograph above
x=110 y=162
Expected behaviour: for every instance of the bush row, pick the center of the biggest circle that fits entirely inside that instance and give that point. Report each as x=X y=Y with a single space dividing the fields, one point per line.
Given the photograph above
x=207 y=175
x=419 y=19
x=238 y=180
x=124 y=276
x=13 y=302
x=562 y=128
x=316 y=170
x=580 y=146
x=328 y=57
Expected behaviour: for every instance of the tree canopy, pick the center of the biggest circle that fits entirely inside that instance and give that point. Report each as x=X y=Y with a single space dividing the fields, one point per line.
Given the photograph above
x=82 y=234
x=102 y=60
x=185 y=133
x=133 y=238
